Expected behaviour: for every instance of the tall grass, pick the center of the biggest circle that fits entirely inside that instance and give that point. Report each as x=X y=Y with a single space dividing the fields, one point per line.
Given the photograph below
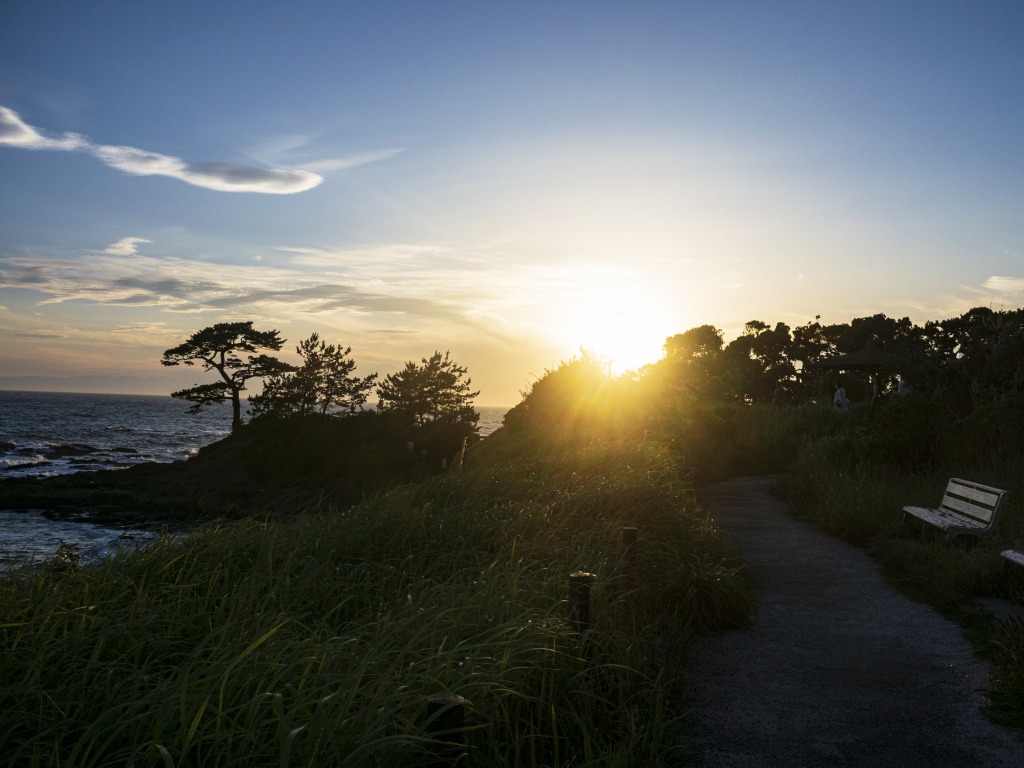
x=317 y=640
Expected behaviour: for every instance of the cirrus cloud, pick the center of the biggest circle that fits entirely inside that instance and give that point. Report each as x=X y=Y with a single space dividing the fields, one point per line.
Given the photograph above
x=220 y=177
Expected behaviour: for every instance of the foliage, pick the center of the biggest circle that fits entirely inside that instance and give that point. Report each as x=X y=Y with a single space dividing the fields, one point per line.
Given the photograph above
x=218 y=348
x=346 y=459
x=579 y=398
x=323 y=384
x=690 y=366
x=436 y=390
x=317 y=641
x=961 y=364
x=853 y=473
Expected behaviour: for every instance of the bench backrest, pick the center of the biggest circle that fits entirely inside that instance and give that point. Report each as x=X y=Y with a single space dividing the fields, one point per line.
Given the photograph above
x=980 y=502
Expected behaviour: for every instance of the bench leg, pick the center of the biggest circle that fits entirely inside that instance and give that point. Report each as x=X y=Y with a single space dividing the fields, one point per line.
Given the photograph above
x=914 y=526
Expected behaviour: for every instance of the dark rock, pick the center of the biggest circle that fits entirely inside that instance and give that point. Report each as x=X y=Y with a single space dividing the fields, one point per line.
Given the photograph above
x=270 y=468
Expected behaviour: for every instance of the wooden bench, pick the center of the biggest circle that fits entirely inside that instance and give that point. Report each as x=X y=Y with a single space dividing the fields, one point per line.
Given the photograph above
x=967 y=509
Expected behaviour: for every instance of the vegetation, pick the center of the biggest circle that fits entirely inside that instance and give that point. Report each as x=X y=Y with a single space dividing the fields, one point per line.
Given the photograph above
x=434 y=396
x=316 y=637
x=323 y=384
x=435 y=390
x=218 y=348
x=854 y=483
x=966 y=362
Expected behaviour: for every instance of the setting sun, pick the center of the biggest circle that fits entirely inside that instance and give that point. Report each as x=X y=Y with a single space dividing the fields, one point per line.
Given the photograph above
x=626 y=330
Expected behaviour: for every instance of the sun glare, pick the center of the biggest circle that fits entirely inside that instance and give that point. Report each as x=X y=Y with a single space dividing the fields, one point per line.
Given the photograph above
x=627 y=331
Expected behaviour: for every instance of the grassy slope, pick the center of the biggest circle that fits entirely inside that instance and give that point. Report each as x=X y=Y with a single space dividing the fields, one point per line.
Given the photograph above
x=317 y=640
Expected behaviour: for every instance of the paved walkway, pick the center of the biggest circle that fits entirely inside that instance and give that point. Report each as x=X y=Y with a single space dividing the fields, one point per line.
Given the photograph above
x=839 y=669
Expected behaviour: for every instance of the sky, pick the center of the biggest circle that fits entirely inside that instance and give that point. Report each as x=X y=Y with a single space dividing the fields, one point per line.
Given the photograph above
x=504 y=181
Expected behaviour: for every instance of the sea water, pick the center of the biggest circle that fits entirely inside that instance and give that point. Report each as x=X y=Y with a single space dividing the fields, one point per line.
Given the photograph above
x=43 y=434
x=56 y=433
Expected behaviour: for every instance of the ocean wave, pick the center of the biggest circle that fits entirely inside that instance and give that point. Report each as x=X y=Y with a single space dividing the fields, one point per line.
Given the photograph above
x=9 y=462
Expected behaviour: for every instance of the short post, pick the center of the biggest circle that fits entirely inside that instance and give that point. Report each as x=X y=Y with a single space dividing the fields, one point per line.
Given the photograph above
x=446 y=723
x=579 y=599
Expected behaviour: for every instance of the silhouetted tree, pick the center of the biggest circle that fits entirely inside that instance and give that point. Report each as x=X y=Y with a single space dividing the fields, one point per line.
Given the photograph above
x=693 y=361
x=757 y=365
x=435 y=390
x=578 y=397
x=218 y=348
x=702 y=342
x=324 y=381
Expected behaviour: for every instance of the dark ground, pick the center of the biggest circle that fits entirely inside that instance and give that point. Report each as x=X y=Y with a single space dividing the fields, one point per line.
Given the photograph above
x=273 y=467
x=839 y=669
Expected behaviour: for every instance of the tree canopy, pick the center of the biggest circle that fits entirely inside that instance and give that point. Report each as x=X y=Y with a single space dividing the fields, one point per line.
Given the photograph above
x=435 y=390
x=323 y=384
x=220 y=348
x=968 y=361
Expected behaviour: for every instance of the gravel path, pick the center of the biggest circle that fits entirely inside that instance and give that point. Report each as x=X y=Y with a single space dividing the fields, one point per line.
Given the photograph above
x=839 y=669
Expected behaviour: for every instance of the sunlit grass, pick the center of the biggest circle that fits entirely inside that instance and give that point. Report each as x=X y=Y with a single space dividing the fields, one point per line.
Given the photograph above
x=317 y=641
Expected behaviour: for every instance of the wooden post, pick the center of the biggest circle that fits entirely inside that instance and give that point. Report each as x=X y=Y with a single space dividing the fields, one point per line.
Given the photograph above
x=446 y=723
x=579 y=599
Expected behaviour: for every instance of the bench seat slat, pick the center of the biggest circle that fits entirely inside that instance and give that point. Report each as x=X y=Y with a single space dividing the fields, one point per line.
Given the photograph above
x=944 y=520
x=977 y=486
x=1013 y=556
x=982 y=494
x=967 y=508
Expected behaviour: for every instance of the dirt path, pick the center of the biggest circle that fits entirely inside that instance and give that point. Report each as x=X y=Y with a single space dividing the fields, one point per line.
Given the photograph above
x=839 y=669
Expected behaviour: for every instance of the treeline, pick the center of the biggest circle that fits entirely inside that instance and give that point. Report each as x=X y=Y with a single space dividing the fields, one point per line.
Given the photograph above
x=436 y=390
x=752 y=405
x=968 y=361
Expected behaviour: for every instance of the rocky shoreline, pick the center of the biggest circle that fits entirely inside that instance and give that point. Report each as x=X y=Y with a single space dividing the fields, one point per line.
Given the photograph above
x=142 y=496
x=269 y=469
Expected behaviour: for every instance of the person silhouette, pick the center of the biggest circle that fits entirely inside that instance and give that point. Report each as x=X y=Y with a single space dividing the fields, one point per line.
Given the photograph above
x=839 y=399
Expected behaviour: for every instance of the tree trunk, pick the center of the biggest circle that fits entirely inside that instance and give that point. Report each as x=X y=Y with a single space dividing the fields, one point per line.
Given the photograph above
x=236 y=410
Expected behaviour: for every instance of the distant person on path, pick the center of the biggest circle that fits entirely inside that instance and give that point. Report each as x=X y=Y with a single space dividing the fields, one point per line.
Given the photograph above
x=903 y=387
x=839 y=399
x=876 y=390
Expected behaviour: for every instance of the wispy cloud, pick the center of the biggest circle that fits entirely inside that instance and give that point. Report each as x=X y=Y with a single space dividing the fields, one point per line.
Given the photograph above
x=1010 y=287
x=998 y=292
x=351 y=161
x=178 y=285
x=17 y=133
x=221 y=177
x=307 y=152
x=127 y=246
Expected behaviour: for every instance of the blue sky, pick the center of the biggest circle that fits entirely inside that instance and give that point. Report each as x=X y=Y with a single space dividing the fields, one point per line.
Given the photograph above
x=507 y=181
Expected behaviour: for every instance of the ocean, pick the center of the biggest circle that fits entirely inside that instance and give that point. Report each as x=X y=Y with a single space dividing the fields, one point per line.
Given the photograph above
x=43 y=434
x=57 y=433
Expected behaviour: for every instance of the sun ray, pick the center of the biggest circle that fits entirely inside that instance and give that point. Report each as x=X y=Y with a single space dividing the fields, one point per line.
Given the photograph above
x=627 y=330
